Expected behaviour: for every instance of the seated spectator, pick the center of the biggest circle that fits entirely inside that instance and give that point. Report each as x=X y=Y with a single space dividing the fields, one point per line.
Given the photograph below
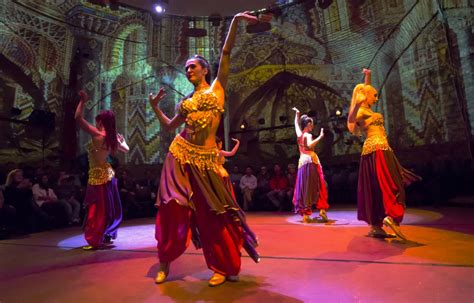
x=248 y=184
x=278 y=188
x=67 y=192
x=235 y=176
x=148 y=184
x=146 y=193
x=291 y=177
x=46 y=199
x=263 y=179
x=128 y=192
x=19 y=195
x=7 y=217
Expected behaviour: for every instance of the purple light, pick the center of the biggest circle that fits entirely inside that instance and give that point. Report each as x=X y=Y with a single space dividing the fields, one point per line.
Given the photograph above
x=159 y=9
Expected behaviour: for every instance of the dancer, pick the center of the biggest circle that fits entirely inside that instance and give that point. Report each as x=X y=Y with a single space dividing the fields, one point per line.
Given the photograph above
x=224 y=154
x=380 y=190
x=221 y=160
x=193 y=200
x=310 y=186
x=104 y=210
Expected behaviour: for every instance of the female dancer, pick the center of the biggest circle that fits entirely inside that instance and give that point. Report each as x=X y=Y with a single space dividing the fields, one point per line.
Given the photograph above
x=224 y=154
x=193 y=199
x=380 y=190
x=310 y=187
x=104 y=210
x=221 y=160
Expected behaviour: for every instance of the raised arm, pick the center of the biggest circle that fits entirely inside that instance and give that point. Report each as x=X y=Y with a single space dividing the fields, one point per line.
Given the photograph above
x=297 y=122
x=312 y=143
x=233 y=151
x=368 y=76
x=224 y=62
x=167 y=123
x=352 y=117
x=357 y=98
x=79 y=116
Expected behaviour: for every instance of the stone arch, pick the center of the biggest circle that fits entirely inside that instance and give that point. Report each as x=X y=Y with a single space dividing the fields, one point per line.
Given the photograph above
x=279 y=82
x=118 y=46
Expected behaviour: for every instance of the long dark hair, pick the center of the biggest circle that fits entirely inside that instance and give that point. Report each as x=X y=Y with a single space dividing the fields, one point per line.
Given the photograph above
x=107 y=118
x=305 y=120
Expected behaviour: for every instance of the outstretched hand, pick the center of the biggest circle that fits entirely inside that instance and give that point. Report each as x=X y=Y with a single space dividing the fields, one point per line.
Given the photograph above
x=321 y=134
x=366 y=71
x=296 y=110
x=235 y=140
x=154 y=100
x=247 y=16
x=83 y=95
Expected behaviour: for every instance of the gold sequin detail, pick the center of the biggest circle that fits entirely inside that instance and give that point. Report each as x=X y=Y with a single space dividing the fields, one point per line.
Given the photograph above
x=378 y=122
x=100 y=174
x=205 y=158
x=373 y=143
x=199 y=109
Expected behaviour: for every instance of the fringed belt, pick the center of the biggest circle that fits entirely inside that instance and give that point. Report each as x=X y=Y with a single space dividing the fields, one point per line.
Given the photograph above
x=308 y=158
x=100 y=174
x=204 y=158
x=373 y=143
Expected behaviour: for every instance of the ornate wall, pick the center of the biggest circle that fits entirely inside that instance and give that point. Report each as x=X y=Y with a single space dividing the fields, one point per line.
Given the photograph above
x=420 y=53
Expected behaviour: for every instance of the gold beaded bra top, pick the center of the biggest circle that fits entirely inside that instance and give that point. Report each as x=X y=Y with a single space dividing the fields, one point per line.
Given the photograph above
x=201 y=110
x=375 y=133
x=99 y=172
x=202 y=113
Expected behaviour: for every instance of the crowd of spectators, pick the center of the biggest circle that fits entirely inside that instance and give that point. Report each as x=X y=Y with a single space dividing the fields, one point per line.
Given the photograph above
x=39 y=198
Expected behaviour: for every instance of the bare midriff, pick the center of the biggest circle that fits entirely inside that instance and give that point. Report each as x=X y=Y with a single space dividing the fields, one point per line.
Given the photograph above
x=374 y=131
x=203 y=115
x=100 y=171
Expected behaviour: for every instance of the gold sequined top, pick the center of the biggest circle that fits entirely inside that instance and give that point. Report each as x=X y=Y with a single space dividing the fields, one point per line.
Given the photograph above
x=205 y=158
x=99 y=172
x=375 y=133
x=200 y=109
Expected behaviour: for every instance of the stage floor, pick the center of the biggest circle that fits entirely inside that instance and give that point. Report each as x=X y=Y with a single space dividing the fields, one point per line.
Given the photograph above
x=315 y=262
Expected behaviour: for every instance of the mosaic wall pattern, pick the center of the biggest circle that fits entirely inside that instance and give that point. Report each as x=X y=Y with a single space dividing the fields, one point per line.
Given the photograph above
x=311 y=58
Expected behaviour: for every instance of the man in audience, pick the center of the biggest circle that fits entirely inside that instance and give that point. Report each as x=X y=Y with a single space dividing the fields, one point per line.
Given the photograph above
x=46 y=199
x=248 y=184
x=278 y=188
x=67 y=191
